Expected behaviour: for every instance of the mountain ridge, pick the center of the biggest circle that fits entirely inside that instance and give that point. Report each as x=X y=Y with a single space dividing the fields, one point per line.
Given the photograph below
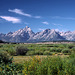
x=27 y=35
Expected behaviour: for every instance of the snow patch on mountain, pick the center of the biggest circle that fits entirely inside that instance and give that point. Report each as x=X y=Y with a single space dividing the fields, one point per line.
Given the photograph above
x=27 y=35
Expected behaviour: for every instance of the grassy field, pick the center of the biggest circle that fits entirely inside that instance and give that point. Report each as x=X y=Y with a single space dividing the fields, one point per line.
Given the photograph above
x=39 y=49
x=22 y=59
x=37 y=59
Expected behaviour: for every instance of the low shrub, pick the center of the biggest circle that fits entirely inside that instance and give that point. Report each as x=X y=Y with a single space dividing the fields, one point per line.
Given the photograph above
x=10 y=69
x=38 y=52
x=58 y=50
x=47 y=53
x=30 y=53
x=55 y=49
x=48 y=66
x=69 y=65
x=56 y=45
x=72 y=55
x=52 y=49
x=21 y=50
x=65 y=51
x=61 y=46
x=73 y=49
x=11 y=51
x=41 y=52
x=5 y=57
x=70 y=46
x=1 y=46
x=31 y=67
x=50 y=45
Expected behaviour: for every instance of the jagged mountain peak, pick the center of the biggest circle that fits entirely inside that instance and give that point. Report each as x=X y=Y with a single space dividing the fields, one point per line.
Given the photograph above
x=27 y=28
x=46 y=31
x=27 y=35
x=68 y=32
x=47 y=35
x=23 y=32
x=10 y=33
x=24 y=29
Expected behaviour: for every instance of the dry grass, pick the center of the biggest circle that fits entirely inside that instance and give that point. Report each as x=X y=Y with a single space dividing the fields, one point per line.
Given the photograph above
x=22 y=59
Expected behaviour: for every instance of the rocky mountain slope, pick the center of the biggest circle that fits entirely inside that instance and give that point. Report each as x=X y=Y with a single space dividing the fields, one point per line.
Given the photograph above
x=27 y=35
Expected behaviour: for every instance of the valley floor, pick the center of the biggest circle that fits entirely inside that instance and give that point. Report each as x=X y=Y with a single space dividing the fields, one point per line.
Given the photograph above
x=37 y=59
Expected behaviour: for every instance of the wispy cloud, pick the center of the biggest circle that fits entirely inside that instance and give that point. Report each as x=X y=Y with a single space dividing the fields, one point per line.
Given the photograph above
x=56 y=17
x=37 y=16
x=59 y=17
x=57 y=24
x=18 y=11
x=11 y=19
x=45 y=22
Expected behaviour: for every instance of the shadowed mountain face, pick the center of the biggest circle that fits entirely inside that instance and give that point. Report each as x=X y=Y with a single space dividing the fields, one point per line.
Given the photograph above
x=27 y=35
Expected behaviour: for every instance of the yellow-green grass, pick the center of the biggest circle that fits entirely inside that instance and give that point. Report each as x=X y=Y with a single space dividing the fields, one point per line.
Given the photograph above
x=22 y=59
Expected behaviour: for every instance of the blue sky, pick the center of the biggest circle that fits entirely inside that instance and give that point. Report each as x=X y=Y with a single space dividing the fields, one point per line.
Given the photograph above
x=37 y=14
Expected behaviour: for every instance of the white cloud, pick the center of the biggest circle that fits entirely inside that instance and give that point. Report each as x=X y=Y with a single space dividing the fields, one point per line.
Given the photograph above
x=59 y=17
x=45 y=23
x=11 y=19
x=18 y=11
x=37 y=16
x=56 y=24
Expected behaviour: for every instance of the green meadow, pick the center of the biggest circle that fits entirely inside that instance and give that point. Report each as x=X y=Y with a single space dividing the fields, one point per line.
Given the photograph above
x=37 y=59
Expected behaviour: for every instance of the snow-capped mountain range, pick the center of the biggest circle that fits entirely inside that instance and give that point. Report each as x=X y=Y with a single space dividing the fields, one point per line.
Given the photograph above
x=27 y=35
